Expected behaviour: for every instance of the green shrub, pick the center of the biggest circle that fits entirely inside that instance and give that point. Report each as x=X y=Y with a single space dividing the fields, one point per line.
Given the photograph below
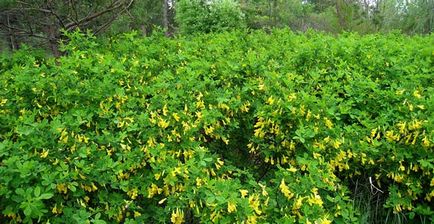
x=225 y=128
x=203 y=16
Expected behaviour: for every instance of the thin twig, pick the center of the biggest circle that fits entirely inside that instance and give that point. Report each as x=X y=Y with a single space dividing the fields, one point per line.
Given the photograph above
x=24 y=32
x=374 y=187
x=113 y=6
x=112 y=19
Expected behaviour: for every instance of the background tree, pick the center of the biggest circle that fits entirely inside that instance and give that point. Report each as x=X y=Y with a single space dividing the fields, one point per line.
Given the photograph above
x=194 y=16
x=144 y=15
x=39 y=22
x=26 y=21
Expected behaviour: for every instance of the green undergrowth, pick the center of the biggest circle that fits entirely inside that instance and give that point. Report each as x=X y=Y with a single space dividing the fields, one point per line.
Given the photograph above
x=220 y=128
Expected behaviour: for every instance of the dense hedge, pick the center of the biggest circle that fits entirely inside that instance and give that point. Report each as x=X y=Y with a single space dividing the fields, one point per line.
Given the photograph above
x=224 y=128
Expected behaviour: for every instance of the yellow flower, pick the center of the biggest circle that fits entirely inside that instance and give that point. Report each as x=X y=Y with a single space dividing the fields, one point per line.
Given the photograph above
x=245 y=107
x=397 y=209
x=400 y=91
x=137 y=214
x=254 y=203
x=251 y=219
x=94 y=188
x=219 y=163
x=421 y=106
x=308 y=115
x=200 y=104
x=315 y=199
x=44 y=153
x=429 y=196
x=285 y=190
x=176 y=116
x=153 y=190
x=3 y=102
x=337 y=144
x=244 y=193
x=416 y=124
x=416 y=94
x=401 y=126
x=215 y=216
x=259 y=133
x=232 y=207
x=319 y=145
x=270 y=100
x=298 y=203
x=223 y=106
x=56 y=210
x=302 y=110
x=163 y=124
x=177 y=217
x=133 y=193
x=162 y=201
x=292 y=169
x=323 y=221
x=157 y=176
x=264 y=191
x=165 y=110
x=62 y=188
x=391 y=137
x=63 y=137
x=292 y=97
x=225 y=140
x=328 y=123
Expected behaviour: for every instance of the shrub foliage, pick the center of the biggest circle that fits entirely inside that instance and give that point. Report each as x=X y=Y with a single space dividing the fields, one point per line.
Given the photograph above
x=224 y=128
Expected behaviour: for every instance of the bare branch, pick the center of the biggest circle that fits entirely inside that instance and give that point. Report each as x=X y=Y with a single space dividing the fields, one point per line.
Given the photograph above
x=49 y=11
x=74 y=17
x=24 y=32
x=105 y=25
x=113 y=6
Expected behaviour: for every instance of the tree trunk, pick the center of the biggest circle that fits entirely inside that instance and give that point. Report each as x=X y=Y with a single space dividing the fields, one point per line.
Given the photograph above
x=275 y=13
x=12 y=40
x=166 y=17
x=52 y=34
x=144 y=30
x=340 y=13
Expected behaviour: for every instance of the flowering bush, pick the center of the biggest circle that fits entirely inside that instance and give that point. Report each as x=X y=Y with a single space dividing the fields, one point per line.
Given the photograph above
x=203 y=16
x=223 y=128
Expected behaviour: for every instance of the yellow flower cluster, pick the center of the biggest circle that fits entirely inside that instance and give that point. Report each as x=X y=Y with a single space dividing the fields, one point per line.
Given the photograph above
x=62 y=188
x=89 y=188
x=177 y=217
x=254 y=203
x=315 y=198
x=232 y=207
x=285 y=190
x=133 y=193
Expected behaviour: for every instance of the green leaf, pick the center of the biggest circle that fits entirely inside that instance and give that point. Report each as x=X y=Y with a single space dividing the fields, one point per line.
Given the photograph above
x=411 y=215
x=20 y=191
x=28 y=211
x=46 y=196
x=99 y=221
x=37 y=191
